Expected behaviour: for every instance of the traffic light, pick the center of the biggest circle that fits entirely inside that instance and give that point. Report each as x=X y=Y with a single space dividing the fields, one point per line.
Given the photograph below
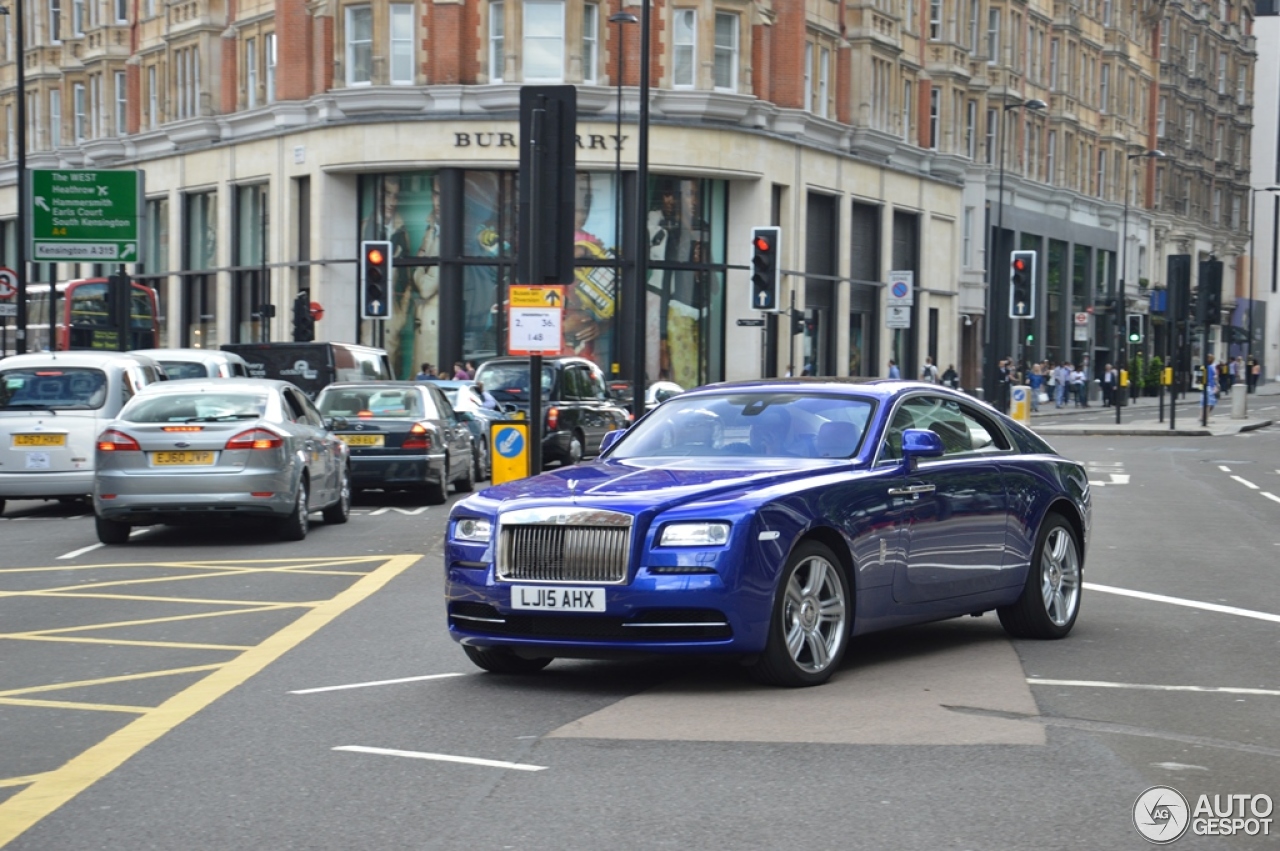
x=1209 y=304
x=304 y=326
x=766 y=245
x=375 y=279
x=798 y=325
x=1022 y=285
x=1135 y=327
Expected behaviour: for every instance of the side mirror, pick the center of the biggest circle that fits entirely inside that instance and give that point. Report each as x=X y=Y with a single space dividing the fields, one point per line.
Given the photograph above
x=920 y=443
x=610 y=438
x=336 y=423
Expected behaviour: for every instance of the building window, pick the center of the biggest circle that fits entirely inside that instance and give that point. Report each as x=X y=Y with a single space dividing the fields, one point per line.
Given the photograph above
x=401 y=44
x=1216 y=212
x=78 y=115
x=683 y=46
x=971 y=130
x=993 y=115
x=966 y=246
x=1222 y=73
x=153 y=99
x=935 y=20
x=1106 y=13
x=993 y=36
x=1217 y=140
x=1051 y=159
x=543 y=41
x=251 y=72
x=975 y=27
x=1104 y=93
x=497 y=29
x=726 y=58
x=187 y=81
x=1192 y=45
x=55 y=119
x=55 y=21
x=591 y=42
x=1102 y=175
x=1160 y=178
x=824 y=75
x=200 y=302
x=1164 y=40
x=96 y=109
x=908 y=115
x=1160 y=110
x=1242 y=75
x=359 y=45
x=1235 y=212
x=122 y=11
x=935 y=116
x=1054 y=50
x=269 y=42
x=1190 y=128
x=77 y=17
x=122 y=105
x=808 y=77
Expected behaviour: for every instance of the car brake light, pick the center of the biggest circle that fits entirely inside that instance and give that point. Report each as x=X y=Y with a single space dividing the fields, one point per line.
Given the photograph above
x=182 y=428
x=255 y=438
x=419 y=438
x=116 y=441
x=553 y=418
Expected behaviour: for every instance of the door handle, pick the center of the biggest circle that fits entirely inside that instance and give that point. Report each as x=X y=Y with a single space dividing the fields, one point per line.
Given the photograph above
x=912 y=491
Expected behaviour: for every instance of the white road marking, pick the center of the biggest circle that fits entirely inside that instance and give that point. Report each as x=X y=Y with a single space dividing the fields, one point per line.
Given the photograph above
x=1224 y=468
x=1178 y=766
x=80 y=551
x=1178 y=601
x=376 y=683
x=411 y=512
x=440 y=757
x=1245 y=482
x=1149 y=687
x=1271 y=496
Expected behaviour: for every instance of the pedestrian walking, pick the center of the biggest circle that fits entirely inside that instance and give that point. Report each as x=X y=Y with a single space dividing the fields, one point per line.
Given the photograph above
x=1077 y=387
x=1004 y=385
x=1251 y=379
x=929 y=372
x=1108 y=386
x=894 y=372
x=426 y=374
x=1036 y=381
x=951 y=378
x=1209 y=394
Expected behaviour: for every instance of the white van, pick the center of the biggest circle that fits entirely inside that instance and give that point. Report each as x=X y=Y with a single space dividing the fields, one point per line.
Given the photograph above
x=53 y=406
x=198 y=363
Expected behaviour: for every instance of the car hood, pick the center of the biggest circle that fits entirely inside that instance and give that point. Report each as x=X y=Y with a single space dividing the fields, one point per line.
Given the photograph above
x=636 y=485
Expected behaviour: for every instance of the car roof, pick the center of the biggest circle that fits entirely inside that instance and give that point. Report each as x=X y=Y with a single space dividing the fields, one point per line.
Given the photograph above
x=505 y=359
x=217 y=385
x=75 y=359
x=192 y=355
x=374 y=385
x=883 y=388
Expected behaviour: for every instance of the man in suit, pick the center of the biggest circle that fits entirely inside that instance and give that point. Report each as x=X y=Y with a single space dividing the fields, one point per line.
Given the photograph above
x=1108 y=386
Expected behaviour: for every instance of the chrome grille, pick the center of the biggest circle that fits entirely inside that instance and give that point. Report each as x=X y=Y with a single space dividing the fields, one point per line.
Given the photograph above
x=564 y=545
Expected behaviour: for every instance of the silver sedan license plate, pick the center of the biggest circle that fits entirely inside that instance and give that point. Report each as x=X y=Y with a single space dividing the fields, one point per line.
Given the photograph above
x=557 y=598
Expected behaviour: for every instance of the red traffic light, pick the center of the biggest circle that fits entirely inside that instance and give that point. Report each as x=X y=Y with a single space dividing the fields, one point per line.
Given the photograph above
x=760 y=243
x=1020 y=265
x=374 y=256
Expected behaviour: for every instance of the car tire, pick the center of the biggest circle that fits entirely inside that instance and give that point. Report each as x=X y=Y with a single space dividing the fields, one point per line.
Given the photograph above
x=467 y=483
x=295 y=526
x=438 y=492
x=1050 y=599
x=503 y=660
x=340 y=511
x=575 y=450
x=112 y=531
x=810 y=621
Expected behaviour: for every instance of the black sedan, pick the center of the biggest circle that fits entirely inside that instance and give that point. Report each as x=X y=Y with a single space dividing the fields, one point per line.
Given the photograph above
x=403 y=435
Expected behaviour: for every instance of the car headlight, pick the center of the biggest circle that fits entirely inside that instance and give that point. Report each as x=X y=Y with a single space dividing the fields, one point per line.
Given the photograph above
x=473 y=529
x=694 y=535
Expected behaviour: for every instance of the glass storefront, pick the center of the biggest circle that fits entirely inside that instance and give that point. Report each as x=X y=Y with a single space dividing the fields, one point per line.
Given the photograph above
x=454 y=251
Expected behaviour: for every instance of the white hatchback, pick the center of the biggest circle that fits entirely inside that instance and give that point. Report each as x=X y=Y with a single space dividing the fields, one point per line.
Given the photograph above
x=53 y=405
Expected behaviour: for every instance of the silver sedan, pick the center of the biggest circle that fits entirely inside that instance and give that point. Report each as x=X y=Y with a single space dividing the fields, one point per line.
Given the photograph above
x=190 y=451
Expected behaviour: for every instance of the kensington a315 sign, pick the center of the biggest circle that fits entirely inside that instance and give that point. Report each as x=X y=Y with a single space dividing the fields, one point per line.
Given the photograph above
x=83 y=215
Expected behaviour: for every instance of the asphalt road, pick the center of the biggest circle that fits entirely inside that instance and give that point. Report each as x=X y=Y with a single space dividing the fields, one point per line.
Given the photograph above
x=182 y=692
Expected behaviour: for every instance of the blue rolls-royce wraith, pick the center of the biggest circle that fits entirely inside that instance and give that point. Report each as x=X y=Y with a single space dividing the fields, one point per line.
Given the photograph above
x=772 y=520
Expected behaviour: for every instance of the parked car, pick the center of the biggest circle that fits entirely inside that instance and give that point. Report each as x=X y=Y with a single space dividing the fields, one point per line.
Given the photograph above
x=52 y=407
x=314 y=366
x=403 y=435
x=189 y=451
x=772 y=521
x=198 y=363
x=577 y=409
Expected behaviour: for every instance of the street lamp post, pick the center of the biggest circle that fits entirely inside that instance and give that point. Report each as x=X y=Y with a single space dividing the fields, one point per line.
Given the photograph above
x=1122 y=354
x=20 y=266
x=619 y=18
x=1253 y=264
x=992 y=341
x=638 y=349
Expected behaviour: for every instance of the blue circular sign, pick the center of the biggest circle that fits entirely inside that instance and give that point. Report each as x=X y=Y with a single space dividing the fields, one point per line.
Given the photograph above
x=509 y=442
x=1019 y=395
x=899 y=289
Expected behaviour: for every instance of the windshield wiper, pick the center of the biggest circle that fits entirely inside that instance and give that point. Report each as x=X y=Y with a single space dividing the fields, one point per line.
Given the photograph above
x=33 y=405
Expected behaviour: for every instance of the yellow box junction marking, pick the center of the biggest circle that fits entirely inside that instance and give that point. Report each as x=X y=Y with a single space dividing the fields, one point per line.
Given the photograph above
x=46 y=792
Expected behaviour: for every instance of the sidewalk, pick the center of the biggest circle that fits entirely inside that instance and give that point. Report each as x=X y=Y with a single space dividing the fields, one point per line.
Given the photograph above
x=1141 y=417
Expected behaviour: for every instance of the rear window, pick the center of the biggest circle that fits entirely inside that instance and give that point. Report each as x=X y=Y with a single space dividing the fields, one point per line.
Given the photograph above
x=173 y=407
x=383 y=402
x=509 y=382
x=80 y=388
x=181 y=369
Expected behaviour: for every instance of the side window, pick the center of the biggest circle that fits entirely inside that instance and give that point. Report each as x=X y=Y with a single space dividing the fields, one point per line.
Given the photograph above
x=903 y=419
x=313 y=416
x=569 y=383
x=442 y=404
x=599 y=391
x=238 y=370
x=983 y=433
x=126 y=387
x=293 y=407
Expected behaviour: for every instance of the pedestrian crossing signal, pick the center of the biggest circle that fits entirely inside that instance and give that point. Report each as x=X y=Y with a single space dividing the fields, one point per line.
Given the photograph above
x=375 y=279
x=1022 y=285
x=1135 y=327
x=766 y=278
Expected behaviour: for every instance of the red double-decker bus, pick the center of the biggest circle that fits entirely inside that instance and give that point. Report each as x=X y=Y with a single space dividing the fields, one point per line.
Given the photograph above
x=84 y=319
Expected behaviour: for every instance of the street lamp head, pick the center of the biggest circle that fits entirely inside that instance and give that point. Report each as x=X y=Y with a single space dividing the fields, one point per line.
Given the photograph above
x=1035 y=103
x=1155 y=154
x=623 y=18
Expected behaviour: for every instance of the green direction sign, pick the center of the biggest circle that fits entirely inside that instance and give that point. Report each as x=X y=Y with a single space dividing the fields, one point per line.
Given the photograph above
x=83 y=215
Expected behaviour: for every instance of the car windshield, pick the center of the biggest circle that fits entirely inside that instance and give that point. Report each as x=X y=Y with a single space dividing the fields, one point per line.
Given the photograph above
x=796 y=425
x=183 y=369
x=509 y=382
x=173 y=407
x=381 y=402
x=49 y=388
